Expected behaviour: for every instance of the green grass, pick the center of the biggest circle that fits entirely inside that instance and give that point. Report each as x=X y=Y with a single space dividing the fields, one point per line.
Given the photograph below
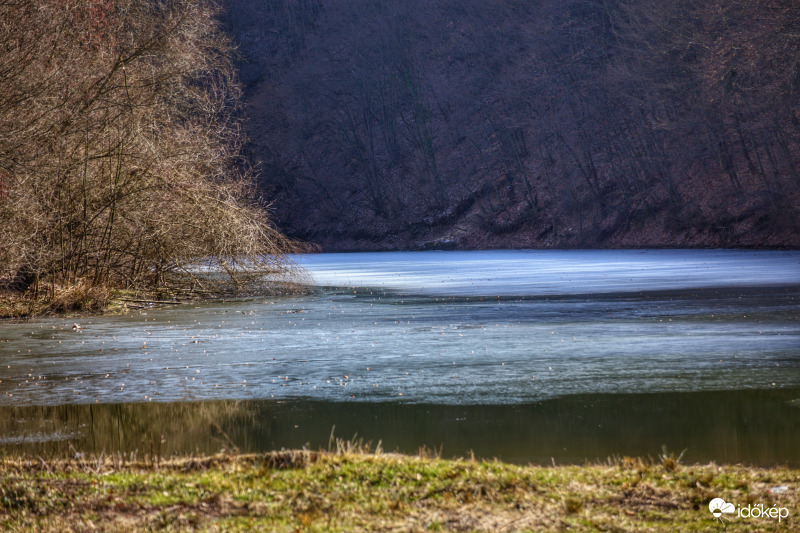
x=351 y=490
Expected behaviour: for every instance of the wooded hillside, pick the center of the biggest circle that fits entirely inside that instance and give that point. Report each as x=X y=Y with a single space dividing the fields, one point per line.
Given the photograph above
x=511 y=123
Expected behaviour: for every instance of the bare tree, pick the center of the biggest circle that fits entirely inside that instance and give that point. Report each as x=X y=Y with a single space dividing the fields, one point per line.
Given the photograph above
x=120 y=149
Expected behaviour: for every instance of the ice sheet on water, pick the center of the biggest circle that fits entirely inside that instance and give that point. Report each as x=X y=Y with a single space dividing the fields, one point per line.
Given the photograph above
x=334 y=345
x=534 y=272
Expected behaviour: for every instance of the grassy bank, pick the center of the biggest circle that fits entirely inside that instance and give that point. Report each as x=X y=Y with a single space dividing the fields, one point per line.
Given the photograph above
x=350 y=490
x=81 y=300
x=78 y=300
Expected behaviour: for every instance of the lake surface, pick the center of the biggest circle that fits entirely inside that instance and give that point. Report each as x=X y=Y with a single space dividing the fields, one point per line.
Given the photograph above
x=517 y=354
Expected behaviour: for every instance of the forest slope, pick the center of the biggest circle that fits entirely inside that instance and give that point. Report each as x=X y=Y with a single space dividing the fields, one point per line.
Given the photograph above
x=503 y=123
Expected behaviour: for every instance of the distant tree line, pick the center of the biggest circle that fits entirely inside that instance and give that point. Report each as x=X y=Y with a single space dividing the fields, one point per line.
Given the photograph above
x=566 y=121
x=120 y=149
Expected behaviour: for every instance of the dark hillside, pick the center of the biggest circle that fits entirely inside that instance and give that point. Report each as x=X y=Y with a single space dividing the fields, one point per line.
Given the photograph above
x=509 y=123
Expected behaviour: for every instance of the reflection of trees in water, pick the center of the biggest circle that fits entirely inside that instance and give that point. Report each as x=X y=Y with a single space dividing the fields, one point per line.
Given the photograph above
x=750 y=426
x=146 y=428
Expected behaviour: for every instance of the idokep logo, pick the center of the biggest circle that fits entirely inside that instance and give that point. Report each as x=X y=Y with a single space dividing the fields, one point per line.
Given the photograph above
x=719 y=508
x=759 y=511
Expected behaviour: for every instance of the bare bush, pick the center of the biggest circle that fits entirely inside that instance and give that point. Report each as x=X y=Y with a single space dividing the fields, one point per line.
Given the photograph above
x=120 y=150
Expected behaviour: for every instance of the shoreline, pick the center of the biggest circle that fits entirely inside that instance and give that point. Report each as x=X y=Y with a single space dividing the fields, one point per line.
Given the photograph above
x=17 y=306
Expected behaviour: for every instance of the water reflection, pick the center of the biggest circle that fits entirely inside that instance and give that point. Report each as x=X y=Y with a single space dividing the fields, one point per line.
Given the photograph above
x=749 y=426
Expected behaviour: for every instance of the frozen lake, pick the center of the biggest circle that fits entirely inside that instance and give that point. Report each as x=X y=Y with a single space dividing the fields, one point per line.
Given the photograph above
x=552 y=272
x=513 y=328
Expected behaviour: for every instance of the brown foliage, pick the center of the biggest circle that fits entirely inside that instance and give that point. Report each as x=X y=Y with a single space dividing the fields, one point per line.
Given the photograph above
x=119 y=150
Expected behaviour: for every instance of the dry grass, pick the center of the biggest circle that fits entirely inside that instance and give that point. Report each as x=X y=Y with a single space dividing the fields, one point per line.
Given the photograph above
x=81 y=297
x=348 y=489
x=85 y=299
x=78 y=299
